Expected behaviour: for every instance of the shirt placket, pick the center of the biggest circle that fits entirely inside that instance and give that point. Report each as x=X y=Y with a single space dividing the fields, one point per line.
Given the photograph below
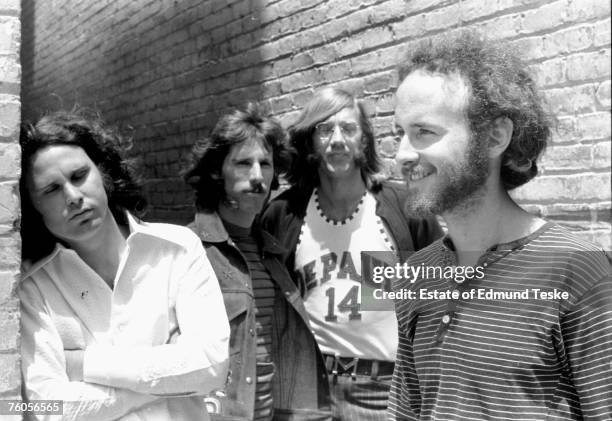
x=450 y=259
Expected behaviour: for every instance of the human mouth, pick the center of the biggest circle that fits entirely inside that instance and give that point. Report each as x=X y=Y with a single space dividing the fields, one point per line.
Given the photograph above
x=257 y=190
x=81 y=214
x=417 y=173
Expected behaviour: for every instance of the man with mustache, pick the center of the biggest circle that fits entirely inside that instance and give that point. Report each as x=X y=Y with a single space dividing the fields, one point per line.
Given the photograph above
x=471 y=126
x=337 y=207
x=275 y=365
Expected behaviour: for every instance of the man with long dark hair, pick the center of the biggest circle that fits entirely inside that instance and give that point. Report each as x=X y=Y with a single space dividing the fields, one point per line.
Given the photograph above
x=275 y=364
x=337 y=207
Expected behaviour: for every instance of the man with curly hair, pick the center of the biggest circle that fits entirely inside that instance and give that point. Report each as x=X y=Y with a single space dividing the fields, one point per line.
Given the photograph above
x=528 y=334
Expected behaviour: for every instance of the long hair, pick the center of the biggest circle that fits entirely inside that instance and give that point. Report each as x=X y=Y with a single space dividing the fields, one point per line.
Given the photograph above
x=104 y=146
x=500 y=86
x=204 y=170
x=324 y=104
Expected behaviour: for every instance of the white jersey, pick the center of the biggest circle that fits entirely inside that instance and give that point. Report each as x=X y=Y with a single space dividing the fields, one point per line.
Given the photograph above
x=328 y=256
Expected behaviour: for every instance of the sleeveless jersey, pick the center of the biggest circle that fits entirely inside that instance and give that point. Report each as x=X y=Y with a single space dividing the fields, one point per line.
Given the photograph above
x=328 y=257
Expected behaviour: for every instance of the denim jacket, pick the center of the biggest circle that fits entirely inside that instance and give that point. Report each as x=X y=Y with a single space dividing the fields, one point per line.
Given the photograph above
x=300 y=385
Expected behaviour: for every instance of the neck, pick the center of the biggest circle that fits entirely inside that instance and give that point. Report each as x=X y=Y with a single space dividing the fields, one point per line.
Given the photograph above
x=491 y=219
x=342 y=189
x=236 y=216
x=338 y=197
x=111 y=238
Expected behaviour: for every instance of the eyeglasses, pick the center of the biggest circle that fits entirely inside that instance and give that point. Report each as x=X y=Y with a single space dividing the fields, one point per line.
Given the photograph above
x=325 y=129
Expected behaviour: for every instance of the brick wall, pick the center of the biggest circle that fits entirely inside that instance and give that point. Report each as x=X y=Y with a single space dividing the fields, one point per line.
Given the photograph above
x=163 y=71
x=10 y=115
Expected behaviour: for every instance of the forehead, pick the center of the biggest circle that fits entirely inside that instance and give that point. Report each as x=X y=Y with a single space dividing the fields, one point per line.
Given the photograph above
x=422 y=92
x=249 y=149
x=57 y=159
x=346 y=114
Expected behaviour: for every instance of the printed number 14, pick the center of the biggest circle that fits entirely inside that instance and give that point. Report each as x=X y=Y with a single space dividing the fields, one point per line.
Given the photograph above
x=349 y=303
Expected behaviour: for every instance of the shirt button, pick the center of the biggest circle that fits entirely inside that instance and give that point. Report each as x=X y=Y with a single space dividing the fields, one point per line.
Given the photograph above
x=252 y=332
x=248 y=380
x=446 y=319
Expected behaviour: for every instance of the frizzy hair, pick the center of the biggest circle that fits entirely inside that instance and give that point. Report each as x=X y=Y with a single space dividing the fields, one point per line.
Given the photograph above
x=324 y=104
x=103 y=145
x=203 y=172
x=500 y=86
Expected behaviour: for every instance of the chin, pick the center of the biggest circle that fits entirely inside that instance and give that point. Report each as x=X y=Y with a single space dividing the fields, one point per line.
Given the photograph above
x=338 y=169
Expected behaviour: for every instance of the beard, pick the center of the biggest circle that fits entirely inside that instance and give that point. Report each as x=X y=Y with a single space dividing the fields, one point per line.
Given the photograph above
x=458 y=186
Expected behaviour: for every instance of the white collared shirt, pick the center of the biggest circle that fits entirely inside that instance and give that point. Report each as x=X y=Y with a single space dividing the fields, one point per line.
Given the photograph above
x=151 y=345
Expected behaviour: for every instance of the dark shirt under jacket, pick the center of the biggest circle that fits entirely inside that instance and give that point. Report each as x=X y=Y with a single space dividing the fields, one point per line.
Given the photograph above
x=300 y=385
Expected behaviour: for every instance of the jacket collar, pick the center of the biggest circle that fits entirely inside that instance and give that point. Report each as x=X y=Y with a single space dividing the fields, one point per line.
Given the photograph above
x=209 y=227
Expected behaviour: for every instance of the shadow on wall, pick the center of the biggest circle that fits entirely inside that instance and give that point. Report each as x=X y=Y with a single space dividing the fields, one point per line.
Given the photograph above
x=160 y=70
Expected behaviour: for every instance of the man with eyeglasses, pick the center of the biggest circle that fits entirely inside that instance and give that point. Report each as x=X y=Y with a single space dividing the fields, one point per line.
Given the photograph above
x=337 y=207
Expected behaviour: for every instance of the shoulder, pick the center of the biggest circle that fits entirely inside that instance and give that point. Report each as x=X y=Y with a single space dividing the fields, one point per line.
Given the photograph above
x=291 y=200
x=286 y=206
x=30 y=268
x=577 y=254
x=171 y=234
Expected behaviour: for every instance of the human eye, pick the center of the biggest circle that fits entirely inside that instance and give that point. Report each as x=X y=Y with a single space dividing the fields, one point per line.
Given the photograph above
x=266 y=163
x=324 y=129
x=422 y=131
x=51 y=188
x=349 y=129
x=80 y=174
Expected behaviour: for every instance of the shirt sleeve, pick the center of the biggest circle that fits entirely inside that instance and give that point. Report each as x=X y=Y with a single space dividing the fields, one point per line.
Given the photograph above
x=44 y=370
x=193 y=364
x=587 y=335
x=404 y=395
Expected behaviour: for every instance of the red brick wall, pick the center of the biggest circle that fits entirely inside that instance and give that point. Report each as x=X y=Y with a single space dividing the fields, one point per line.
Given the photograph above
x=10 y=249
x=163 y=71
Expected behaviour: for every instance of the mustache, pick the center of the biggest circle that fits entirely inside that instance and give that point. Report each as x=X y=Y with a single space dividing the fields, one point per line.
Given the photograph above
x=257 y=188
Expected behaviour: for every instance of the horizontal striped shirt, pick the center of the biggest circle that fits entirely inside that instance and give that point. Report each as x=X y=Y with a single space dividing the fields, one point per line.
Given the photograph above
x=264 y=291
x=541 y=349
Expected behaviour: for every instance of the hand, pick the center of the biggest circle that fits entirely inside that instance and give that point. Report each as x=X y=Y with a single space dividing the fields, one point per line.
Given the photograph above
x=74 y=364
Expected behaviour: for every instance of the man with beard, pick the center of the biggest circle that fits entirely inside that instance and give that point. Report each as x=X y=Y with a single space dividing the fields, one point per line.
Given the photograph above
x=531 y=338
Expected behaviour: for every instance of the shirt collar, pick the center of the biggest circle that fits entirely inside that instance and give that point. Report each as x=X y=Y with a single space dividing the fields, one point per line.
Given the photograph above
x=136 y=226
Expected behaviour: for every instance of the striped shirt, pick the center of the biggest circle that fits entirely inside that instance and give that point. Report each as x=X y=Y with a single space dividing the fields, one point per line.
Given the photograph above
x=264 y=291
x=520 y=357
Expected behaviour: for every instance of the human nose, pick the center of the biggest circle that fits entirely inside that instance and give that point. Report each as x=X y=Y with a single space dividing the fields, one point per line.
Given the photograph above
x=337 y=136
x=406 y=154
x=73 y=195
x=256 y=175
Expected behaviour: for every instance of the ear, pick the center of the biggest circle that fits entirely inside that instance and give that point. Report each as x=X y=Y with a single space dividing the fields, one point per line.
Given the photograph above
x=500 y=135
